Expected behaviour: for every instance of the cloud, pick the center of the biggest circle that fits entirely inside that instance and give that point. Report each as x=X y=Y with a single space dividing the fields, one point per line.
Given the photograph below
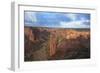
x=72 y=16
x=75 y=24
x=30 y=17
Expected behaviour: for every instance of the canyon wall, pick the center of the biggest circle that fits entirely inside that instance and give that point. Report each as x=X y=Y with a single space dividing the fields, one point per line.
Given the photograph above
x=44 y=43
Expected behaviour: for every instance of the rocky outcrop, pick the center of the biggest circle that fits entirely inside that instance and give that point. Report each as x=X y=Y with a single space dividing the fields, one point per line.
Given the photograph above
x=35 y=44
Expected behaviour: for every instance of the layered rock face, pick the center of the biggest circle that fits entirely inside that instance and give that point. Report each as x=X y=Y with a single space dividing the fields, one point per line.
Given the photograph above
x=72 y=44
x=56 y=44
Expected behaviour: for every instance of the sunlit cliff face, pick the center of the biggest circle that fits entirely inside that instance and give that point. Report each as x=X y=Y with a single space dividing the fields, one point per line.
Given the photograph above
x=72 y=34
x=28 y=32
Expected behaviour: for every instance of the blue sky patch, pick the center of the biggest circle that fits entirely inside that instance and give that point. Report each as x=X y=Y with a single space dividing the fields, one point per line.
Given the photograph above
x=56 y=19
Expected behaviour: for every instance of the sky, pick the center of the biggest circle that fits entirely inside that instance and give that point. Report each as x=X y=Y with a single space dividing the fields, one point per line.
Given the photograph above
x=56 y=19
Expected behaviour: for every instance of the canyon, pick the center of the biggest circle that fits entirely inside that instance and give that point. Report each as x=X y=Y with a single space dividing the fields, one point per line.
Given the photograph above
x=41 y=43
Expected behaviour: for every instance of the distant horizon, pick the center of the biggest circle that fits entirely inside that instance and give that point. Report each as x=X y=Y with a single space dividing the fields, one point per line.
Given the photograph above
x=54 y=27
x=57 y=20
